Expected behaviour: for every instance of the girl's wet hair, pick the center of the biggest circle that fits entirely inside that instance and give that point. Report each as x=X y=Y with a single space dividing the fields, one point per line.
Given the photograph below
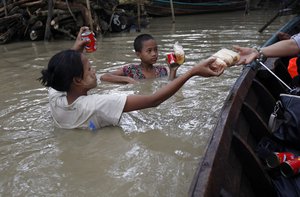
x=61 y=70
x=139 y=40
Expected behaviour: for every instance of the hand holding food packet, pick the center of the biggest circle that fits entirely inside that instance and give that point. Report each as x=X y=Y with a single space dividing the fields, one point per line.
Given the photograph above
x=176 y=58
x=224 y=58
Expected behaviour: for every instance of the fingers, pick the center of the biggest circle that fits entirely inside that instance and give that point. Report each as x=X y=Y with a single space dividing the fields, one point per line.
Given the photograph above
x=211 y=68
x=237 y=48
x=210 y=60
x=207 y=62
x=174 y=66
x=84 y=28
x=283 y=36
x=241 y=61
x=220 y=72
x=80 y=43
x=214 y=72
x=81 y=30
x=133 y=82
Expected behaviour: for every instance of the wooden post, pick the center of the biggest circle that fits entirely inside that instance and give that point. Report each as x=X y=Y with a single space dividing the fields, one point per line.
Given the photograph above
x=90 y=14
x=247 y=7
x=139 y=15
x=48 y=23
x=5 y=8
x=172 y=10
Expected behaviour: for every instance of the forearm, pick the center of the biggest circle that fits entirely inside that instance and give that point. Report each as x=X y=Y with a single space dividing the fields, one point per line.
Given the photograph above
x=115 y=78
x=281 y=49
x=172 y=74
x=136 y=102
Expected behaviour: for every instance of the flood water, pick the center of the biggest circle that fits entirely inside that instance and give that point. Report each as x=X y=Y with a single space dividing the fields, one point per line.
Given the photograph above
x=153 y=152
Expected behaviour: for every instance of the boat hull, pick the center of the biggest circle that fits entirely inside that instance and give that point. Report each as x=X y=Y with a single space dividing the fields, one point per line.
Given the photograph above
x=163 y=7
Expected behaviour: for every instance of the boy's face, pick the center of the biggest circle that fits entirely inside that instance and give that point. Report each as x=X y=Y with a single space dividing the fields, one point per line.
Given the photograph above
x=149 y=53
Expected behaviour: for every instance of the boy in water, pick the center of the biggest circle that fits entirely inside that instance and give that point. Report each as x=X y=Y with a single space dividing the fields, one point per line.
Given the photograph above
x=145 y=48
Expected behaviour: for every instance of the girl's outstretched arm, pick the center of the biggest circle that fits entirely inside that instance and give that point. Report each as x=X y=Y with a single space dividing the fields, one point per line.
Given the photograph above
x=136 y=102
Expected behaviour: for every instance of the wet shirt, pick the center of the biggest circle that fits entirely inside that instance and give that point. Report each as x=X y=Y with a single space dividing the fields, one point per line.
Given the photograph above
x=91 y=111
x=135 y=71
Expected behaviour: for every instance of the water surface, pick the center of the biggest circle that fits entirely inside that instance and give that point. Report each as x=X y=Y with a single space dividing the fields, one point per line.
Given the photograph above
x=155 y=151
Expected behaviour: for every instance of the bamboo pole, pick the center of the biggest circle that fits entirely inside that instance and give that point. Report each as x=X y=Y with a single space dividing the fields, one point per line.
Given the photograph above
x=172 y=10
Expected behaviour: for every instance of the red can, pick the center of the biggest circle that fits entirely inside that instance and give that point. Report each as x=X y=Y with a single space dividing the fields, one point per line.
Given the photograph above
x=171 y=60
x=291 y=167
x=277 y=158
x=91 y=45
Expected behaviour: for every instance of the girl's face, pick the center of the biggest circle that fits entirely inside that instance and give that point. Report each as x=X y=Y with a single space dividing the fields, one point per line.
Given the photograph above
x=149 y=53
x=89 y=79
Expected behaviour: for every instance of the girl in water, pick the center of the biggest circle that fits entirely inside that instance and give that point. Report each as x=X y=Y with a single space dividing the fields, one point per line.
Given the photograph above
x=69 y=77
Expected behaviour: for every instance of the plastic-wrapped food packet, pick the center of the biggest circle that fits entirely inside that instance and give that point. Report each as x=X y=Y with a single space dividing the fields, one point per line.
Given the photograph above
x=179 y=53
x=225 y=58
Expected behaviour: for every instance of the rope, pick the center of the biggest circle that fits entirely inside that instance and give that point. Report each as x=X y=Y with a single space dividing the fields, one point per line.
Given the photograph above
x=275 y=75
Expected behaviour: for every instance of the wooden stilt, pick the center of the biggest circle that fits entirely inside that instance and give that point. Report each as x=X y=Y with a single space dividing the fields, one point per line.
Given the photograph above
x=90 y=14
x=139 y=15
x=172 y=10
x=48 y=23
x=5 y=8
x=247 y=7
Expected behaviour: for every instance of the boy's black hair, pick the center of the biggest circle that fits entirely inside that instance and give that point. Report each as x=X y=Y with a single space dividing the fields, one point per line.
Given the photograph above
x=139 y=40
x=61 y=70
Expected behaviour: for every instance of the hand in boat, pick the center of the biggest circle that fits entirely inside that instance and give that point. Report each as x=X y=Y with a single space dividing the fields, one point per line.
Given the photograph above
x=283 y=36
x=247 y=54
x=79 y=43
x=205 y=68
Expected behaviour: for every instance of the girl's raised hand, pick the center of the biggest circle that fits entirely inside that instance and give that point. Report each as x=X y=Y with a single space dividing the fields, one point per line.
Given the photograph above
x=79 y=43
x=205 y=69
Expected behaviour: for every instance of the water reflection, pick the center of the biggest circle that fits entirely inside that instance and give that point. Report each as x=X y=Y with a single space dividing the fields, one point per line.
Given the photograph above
x=154 y=152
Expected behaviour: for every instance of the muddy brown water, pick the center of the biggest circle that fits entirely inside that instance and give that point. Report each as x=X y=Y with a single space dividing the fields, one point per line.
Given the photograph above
x=154 y=152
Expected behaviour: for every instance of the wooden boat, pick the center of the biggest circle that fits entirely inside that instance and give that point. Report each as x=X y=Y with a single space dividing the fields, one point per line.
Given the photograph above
x=230 y=165
x=185 y=7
